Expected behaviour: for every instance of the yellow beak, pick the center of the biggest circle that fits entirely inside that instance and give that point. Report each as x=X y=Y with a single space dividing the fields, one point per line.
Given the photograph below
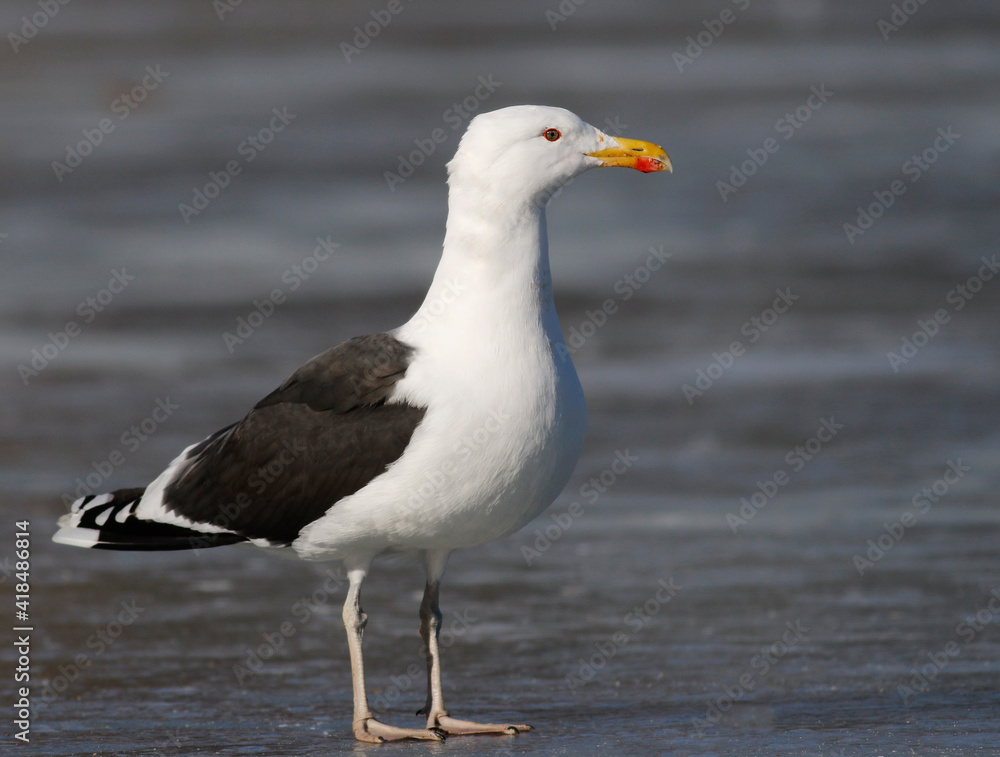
x=634 y=153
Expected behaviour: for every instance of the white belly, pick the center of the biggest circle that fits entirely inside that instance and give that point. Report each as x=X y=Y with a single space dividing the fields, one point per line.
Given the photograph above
x=494 y=449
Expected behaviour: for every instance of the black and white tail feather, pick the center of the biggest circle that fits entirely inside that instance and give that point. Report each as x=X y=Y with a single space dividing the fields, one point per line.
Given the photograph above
x=108 y=521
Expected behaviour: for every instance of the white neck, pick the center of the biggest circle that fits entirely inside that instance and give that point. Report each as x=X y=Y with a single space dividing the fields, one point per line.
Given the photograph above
x=493 y=279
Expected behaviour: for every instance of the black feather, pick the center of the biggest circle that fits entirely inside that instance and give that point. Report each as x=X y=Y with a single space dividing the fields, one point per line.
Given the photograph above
x=321 y=436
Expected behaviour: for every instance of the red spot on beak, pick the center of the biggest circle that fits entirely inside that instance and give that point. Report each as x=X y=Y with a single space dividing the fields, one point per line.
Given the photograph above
x=648 y=165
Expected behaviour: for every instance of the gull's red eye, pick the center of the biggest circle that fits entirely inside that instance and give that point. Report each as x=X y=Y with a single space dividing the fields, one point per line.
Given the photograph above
x=551 y=134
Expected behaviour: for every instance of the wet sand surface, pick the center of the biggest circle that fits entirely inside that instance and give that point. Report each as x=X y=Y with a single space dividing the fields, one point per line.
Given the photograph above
x=780 y=539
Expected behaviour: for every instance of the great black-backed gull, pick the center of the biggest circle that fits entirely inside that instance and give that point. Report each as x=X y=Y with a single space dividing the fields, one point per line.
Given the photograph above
x=360 y=452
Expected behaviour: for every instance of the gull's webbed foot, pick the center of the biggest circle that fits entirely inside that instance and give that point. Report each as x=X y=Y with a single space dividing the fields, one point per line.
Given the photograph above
x=456 y=727
x=373 y=731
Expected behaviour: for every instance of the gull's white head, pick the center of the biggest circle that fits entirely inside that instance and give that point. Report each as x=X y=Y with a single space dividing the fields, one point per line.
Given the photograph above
x=532 y=150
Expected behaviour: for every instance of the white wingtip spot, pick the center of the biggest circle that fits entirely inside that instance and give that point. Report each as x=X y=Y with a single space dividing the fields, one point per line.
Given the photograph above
x=77 y=537
x=68 y=520
x=85 y=503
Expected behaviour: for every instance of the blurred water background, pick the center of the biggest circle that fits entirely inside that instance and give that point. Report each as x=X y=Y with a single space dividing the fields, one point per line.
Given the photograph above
x=800 y=556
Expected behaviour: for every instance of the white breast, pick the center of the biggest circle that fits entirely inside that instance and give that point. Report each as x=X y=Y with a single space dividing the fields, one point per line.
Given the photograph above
x=497 y=444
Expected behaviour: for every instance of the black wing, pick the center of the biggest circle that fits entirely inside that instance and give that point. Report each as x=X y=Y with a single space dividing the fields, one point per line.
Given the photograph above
x=319 y=437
